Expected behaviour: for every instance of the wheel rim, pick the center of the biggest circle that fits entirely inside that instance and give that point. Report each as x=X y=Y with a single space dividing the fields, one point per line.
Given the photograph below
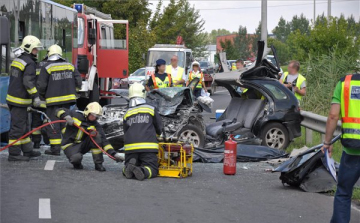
x=275 y=138
x=190 y=136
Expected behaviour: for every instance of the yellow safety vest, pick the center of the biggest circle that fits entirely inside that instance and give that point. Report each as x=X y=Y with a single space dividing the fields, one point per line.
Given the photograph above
x=299 y=82
x=178 y=76
x=199 y=75
x=350 y=116
x=233 y=66
x=158 y=83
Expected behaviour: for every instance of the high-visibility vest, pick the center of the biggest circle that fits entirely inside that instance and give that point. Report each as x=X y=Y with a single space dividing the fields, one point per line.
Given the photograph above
x=158 y=83
x=199 y=75
x=178 y=76
x=299 y=80
x=233 y=67
x=350 y=116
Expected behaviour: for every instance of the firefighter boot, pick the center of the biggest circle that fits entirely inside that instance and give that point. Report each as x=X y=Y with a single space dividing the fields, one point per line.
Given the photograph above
x=32 y=154
x=78 y=166
x=139 y=174
x=99 y=167
x=36 y=140
x=98 y=160
x=54 y=150
x=129 y=168
x=15 y=154
x=36 y=145
x=75 y=160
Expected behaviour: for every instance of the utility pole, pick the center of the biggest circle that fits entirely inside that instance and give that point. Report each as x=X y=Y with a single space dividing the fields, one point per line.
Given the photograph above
x=314 y=12
x=329 y=9
x=264 y=24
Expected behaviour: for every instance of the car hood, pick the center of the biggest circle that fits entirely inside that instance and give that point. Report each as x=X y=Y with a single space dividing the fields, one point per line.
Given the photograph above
x=167 y=100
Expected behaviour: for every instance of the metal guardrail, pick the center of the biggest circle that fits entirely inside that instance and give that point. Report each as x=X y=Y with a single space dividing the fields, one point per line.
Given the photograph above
x=314 y=122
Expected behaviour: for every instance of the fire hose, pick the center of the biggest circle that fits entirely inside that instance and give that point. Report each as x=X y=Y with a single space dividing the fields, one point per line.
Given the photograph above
x=59 y=121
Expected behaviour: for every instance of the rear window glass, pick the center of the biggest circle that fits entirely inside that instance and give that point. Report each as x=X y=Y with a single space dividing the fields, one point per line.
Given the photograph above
x=277 y=92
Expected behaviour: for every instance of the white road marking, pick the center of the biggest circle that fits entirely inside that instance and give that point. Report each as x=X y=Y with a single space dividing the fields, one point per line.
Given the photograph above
x=44 y=208
x=50 y=165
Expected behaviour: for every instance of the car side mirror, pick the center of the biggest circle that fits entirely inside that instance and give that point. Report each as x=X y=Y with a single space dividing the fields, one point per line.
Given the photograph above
x=92 y=36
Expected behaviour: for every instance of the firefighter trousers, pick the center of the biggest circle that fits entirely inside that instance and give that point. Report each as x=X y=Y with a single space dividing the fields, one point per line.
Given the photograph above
x=148 y=162
x=18 y=128
x=37 y=121
x=55 y=136
x=75 y=151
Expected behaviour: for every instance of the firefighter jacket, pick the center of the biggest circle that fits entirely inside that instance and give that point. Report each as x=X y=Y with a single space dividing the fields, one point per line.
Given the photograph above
x=141 y=124
x=73 y=135
x=58 y=82
x=22 y=86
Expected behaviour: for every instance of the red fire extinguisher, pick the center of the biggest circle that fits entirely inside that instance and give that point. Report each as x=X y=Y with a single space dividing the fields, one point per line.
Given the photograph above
x=230 y=156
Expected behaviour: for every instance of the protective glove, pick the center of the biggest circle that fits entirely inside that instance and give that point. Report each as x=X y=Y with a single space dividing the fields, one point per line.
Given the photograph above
x=39 y=103
x=69 y=120
x=119 y=157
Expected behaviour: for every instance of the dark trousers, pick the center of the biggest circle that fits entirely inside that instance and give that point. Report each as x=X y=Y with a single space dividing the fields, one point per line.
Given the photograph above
x=37 y=121
x=197 y=92
x=55 y=136
x=349 y=173
x=18 y=128
x=75 y=151
x=148 y=162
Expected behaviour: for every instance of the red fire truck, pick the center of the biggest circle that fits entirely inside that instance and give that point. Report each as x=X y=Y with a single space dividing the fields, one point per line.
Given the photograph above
x=103 y=48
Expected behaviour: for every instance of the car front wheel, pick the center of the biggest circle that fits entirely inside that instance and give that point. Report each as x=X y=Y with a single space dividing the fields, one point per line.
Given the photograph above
x=193 y=135
x=275 y=135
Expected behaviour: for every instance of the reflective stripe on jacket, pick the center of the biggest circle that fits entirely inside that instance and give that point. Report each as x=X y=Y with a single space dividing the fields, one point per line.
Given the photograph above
x=199 y=75
x=350 y=115
x=299 y=80
x=159 y=83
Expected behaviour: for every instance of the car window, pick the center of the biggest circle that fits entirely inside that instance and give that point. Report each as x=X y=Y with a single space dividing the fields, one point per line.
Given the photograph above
x=277 y=92
x=203 y=64
x=139 y=72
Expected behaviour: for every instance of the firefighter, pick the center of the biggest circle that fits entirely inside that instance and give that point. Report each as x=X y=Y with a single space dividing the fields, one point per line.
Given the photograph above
x=160 y=79
x=57 y=83
x=36 y=119
x=22 y=92
x=196 y=73
x=75 y=143
x=141 y=124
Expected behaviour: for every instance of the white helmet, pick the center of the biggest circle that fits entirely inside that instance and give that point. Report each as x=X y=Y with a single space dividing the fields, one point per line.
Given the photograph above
x=93 y=108
x=136 y=90
x=29 y=43
x=54 y=52
x=195 y=63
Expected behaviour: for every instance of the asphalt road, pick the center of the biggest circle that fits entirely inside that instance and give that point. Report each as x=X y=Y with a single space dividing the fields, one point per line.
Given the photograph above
x=31 y=194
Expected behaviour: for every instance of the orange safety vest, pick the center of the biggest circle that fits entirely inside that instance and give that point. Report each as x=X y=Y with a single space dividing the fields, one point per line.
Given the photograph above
x=199 y=85
x=163 y=84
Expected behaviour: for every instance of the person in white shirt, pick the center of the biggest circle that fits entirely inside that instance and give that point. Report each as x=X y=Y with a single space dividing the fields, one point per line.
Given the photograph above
x=177 y=72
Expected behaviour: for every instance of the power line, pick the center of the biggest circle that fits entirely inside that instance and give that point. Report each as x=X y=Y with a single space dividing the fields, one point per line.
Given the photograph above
x=274 y=6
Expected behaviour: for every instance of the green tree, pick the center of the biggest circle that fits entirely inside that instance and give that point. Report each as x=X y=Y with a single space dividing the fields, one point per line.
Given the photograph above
x=282 y=30
x=300 y=23
x=215 y=33
x=230 y=49
x=255 y=39
x=242 y=43
x=282 y=50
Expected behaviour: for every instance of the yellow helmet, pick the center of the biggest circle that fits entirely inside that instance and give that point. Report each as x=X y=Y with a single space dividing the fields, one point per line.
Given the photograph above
x=93 y=108
x=29 y=43
x=136 y=90
x=54 y=50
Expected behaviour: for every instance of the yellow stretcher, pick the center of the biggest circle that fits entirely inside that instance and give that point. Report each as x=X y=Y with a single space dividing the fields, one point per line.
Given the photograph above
x=175 y=160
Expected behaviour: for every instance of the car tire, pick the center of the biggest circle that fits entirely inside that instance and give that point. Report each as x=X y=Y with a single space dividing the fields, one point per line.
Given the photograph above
x=275 y=135
x=192 y=134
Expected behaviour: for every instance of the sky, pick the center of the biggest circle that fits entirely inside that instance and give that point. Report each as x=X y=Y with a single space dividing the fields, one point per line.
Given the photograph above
x=230 y=15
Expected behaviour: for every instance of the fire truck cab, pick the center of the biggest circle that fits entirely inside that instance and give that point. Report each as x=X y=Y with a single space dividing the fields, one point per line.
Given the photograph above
x=102 y=52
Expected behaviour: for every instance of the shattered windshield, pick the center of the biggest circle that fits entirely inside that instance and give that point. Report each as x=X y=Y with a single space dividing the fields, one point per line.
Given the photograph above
x=153 y=56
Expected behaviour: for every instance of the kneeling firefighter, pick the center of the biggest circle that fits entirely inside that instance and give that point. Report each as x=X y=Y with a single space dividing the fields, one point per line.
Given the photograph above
x=141 y=124
x=75 y=143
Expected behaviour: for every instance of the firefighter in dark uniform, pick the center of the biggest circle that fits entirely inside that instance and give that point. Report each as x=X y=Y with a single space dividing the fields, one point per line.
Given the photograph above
x=75 y=143
x=160 y=79
x=141 y=124
x=57 y=83
x=21 y=94
x=36 y=119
